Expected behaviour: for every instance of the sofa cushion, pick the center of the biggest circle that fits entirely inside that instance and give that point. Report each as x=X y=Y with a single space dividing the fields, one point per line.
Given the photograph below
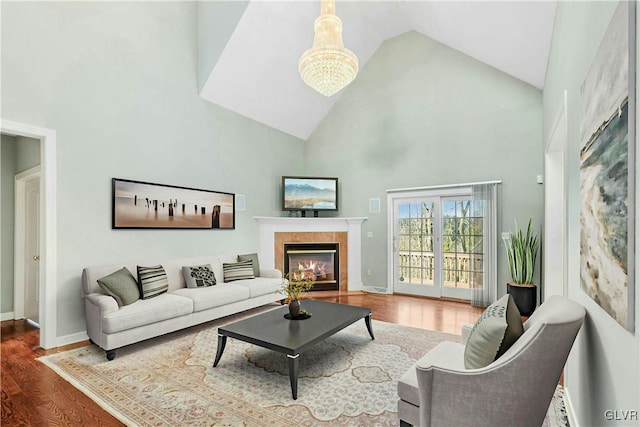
x=213 y=296
x=260 y=286
x=121 y=285
x=495 y=331
x=254 y=262
x=198 y=276
x=146 y=312
x=152 y=281
x=237 y=271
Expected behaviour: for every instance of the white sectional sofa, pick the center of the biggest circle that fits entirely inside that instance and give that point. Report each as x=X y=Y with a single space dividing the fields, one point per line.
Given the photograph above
x=112 y=327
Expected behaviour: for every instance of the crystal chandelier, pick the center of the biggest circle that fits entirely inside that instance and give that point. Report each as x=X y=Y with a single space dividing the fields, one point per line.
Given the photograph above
x=328 y=67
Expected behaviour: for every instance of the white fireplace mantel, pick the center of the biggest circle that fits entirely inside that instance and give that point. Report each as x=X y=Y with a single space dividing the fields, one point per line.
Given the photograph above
x=353 y=226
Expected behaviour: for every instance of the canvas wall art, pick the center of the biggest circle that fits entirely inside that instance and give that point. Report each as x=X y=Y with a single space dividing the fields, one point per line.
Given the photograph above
x=607 y=171
x=145 y=205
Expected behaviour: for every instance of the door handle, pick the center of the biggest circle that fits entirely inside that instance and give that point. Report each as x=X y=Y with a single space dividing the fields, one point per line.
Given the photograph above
x=36 y=257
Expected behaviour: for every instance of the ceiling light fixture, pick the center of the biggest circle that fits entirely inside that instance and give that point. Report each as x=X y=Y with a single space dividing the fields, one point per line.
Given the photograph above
x=328 y=66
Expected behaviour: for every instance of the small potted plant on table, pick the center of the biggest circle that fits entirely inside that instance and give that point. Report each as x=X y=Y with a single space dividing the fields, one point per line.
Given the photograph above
x=294 y=285
x=522 y=250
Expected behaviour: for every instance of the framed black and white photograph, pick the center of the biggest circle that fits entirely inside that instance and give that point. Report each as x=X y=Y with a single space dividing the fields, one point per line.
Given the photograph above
x=607 y=171
x=137 y=204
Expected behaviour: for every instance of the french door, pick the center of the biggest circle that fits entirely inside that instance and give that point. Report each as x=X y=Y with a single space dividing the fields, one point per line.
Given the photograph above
x=436 y=245
x=415 y=245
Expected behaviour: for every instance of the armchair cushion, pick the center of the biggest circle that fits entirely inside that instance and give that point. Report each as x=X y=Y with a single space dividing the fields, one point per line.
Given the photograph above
x=495 y=331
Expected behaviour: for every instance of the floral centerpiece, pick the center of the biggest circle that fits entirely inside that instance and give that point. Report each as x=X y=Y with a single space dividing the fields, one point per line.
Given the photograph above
x=294 y=285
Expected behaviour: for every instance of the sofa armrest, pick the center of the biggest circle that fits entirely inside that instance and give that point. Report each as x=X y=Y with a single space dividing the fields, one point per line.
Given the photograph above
x=465 y=332
x=96 y=307
x=270 y=273
x=104 y=303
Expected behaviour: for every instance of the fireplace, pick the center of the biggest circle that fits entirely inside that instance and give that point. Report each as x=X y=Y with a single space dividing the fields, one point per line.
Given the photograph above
x=318 y=261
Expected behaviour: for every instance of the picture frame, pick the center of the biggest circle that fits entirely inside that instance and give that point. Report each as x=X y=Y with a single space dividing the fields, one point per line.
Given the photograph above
x=607 y=171
x=146 y=205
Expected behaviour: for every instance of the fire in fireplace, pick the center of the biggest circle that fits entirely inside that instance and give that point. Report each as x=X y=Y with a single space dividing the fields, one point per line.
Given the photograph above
x=316 y=261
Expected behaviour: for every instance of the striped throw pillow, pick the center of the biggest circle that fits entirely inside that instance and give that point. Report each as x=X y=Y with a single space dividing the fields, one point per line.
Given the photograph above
x=238 y=271
x=152 y=281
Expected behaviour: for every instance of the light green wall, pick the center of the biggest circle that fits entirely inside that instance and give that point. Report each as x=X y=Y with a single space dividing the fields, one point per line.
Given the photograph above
x=120 y=88
x=18 y=154
x=27 y=154
x=603 y=370
x=8 y=155
x=422 y=114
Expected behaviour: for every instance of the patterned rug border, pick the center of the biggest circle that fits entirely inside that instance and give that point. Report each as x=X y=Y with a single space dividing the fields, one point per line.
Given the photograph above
x=85 y=390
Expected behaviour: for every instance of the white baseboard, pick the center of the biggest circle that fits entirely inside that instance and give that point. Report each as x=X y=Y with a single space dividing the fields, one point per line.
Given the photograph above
x=6 y=316
x=71 y=339
x=571 y=415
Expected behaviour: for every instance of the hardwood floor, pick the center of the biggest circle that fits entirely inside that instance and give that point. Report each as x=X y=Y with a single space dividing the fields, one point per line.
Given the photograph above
x=34 y=395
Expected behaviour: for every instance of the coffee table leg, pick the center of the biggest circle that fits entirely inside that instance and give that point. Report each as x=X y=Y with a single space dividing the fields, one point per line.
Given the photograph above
x=293 y=374
x=222 y=341
x=367 y=320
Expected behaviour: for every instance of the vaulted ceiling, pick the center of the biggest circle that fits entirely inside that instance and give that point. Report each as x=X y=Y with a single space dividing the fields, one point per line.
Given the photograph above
x=256 y=73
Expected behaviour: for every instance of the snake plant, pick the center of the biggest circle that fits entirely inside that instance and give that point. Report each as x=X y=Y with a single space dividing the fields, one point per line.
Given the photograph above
x=522 y=250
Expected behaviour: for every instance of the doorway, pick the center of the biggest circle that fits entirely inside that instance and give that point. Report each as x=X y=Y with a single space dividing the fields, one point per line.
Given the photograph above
x=437 y=244
x=46 y=268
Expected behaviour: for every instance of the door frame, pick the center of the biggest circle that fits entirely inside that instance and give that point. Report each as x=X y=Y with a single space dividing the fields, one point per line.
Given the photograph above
x=48 y=248
x=555 y=164
x=19 y=256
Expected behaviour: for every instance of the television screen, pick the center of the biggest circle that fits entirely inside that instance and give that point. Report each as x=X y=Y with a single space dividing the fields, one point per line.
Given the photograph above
x=309 y=194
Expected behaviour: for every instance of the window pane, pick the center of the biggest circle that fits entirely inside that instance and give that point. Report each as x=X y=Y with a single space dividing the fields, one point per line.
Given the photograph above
x=415 y=210
x=476 y=226
x=403 y=243
x=404 y=210
x=476 y=244
x=416 y=243
x=415 y=226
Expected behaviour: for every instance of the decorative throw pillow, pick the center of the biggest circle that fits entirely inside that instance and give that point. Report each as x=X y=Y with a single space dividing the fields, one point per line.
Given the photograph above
x=495 y=331
x=152 y=281
x=199 y=276
x=121 y=285
x=238 y=271
x=254 y=259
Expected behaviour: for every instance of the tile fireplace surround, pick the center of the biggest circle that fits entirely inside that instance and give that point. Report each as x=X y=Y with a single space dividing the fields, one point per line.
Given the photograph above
x=276 y=231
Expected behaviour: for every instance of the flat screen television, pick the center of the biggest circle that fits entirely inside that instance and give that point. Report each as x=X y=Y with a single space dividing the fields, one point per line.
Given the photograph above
x=303 y=193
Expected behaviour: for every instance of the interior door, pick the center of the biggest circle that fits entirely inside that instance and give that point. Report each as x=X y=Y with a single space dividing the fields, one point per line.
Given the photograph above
x=32 y=250
x=416 y=246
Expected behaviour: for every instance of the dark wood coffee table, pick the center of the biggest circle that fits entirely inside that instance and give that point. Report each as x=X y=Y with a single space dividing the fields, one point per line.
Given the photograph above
x=293 y=337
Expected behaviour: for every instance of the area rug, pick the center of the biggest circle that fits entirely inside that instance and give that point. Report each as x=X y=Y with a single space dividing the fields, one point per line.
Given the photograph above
x=169 y=381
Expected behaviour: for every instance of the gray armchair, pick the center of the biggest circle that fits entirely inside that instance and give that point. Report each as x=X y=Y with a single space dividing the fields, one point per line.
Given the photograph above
x=514 y=390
